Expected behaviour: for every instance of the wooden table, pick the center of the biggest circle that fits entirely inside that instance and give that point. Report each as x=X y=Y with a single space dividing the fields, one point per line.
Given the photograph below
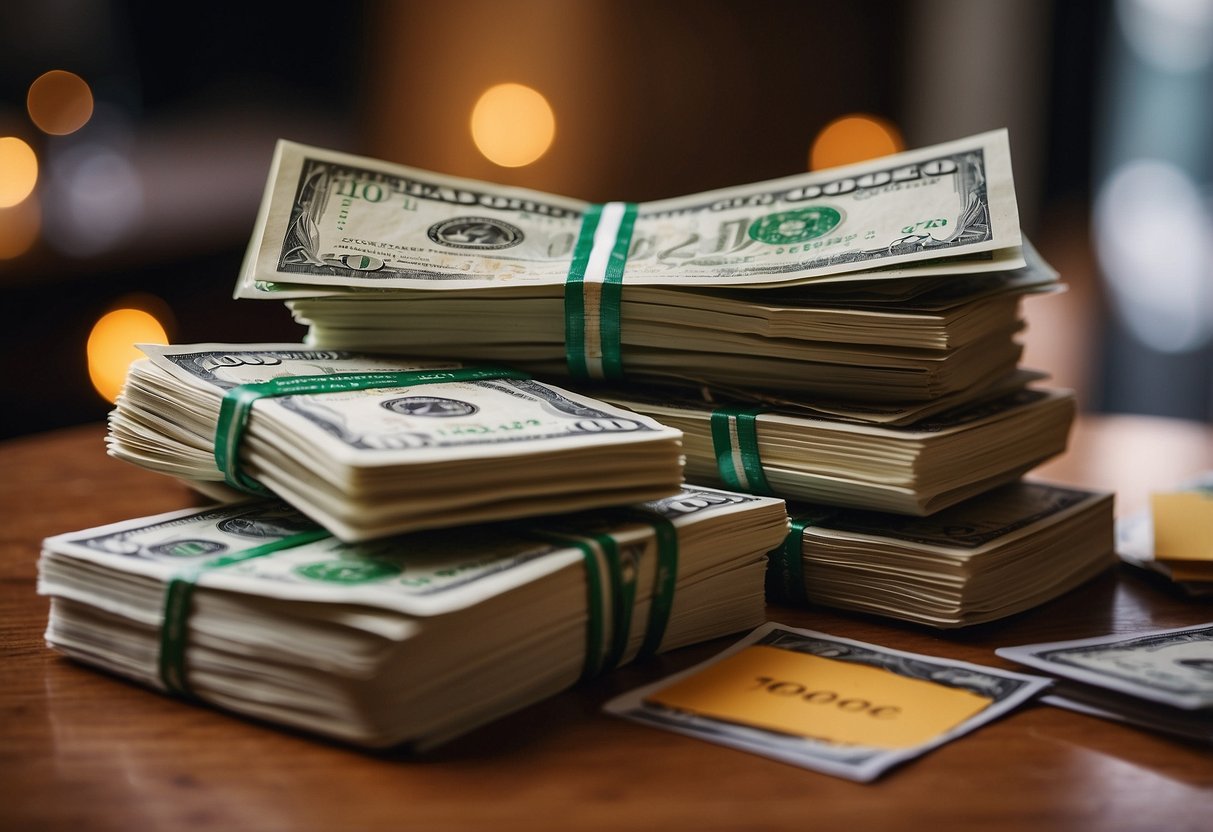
x=82 y=750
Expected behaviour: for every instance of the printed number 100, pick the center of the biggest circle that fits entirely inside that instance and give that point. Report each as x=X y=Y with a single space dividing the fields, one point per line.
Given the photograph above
x=831 y=698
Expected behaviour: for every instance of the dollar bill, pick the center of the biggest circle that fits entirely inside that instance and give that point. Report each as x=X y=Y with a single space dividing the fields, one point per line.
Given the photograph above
x=1000 y=515
x=1186 y=724
x=369 y=462
x=1001 y=690
x=330 y=219
x=1171 y=667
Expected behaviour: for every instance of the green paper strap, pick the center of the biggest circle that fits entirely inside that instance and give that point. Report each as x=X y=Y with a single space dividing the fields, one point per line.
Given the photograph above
x=595 y=549
x=785 y=569
x=601 y=555
x=623 y=601
x=665 y=579
x=750 y=476
x=574 y=295
x=593 y=291
x=612 y=296
x=237 y=404
x=178 y=597
x=787 y=562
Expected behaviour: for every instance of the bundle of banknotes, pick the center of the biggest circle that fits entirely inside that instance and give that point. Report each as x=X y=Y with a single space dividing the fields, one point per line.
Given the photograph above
x=369 y=446
x=915 y=469
x=895 y=280
x=995 y=555
x=1160 y=679
x=411 y=639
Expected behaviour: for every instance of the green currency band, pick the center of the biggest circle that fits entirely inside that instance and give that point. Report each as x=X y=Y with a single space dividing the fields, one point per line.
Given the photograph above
x=178 y=601
x=238 y=403
x=593 y=291
x=602 y=560
x=664 y=581
x=738 y=462
x=785 y=569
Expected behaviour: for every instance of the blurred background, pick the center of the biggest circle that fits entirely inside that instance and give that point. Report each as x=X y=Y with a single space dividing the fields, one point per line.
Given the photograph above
x=135 y=139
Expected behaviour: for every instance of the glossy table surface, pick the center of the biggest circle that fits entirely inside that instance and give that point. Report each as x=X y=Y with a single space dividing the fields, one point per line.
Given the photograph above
x=82 y=750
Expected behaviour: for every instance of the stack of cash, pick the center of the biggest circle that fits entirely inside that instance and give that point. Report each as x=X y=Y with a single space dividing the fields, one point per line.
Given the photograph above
x=843 y=337
x=682 y=336
x=412 y=639
x=457 y=540
x=1159 y=679
x=895 y=280
x=1004 y=552
x=372 y=446
x=917 y=469
x=880 y=294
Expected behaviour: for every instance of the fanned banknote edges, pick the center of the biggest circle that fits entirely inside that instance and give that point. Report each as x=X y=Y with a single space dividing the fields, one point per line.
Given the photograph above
x=593 y=291
x=735 y=446
x=601 y=558
x=237 y=405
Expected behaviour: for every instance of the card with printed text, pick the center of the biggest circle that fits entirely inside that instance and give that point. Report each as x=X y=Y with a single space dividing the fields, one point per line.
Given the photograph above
x=826 y=703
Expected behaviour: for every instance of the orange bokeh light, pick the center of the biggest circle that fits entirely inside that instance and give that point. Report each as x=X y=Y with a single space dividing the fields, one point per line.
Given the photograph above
x=18 y=171
x=512 y=125
x=111 y=347
x=59 y=102
x=19 y=228
x=854 y=138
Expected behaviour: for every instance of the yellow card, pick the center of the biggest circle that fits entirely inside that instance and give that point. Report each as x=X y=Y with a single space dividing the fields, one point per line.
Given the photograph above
x=810 y=696
x=1183 y=525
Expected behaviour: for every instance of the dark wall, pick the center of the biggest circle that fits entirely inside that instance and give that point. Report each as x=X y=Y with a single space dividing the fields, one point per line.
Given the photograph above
x=670 y=98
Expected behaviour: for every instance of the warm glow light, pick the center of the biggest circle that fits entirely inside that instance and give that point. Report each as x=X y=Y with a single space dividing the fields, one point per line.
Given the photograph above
x=18 y=171
x=854 y=138
x=19 y=227
x=512 y=125
x=111 y=347
x=59 y=102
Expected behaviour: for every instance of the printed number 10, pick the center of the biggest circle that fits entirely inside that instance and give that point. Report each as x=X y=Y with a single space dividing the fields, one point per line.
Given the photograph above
x=369 y=191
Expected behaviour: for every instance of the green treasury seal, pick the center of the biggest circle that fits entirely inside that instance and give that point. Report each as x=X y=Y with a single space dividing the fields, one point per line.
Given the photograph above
x=788 y=227
x=348 y=571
